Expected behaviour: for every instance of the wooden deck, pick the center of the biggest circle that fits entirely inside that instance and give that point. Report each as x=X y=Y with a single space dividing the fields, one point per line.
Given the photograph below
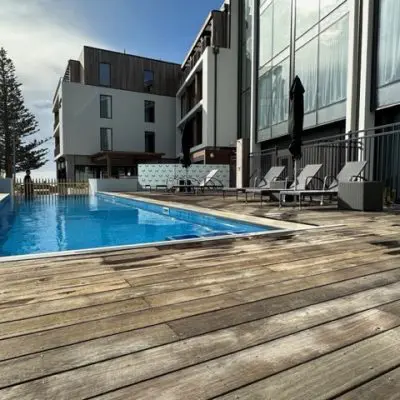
x=309 y=315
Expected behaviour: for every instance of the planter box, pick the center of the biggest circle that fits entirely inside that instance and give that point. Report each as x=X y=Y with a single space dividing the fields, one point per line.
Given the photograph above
x=360 y=196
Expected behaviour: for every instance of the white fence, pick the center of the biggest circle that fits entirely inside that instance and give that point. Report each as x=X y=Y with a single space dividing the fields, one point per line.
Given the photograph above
x=152 y=175
x=113 y=185
x=50 y=187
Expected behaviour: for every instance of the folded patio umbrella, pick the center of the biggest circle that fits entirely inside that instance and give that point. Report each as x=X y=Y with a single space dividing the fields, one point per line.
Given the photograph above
x=296 y=117
x=186 y=145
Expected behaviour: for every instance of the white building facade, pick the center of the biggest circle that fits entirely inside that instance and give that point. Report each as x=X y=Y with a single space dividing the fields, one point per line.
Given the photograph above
x=207 y=100
x=107 y=126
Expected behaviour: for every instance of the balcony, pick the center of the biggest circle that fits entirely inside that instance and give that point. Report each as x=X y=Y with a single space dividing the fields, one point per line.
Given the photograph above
x=56 y=121
x=57 y=150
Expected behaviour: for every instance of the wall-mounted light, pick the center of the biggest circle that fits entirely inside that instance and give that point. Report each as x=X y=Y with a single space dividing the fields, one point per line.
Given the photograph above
x=211 y=155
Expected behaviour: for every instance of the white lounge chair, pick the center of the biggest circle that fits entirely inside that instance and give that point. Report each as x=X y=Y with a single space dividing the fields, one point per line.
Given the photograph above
x=306 y=176
x=350 y=172
x=273 y=174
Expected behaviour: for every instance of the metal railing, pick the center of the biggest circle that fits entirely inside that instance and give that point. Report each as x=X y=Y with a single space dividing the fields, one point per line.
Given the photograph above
x=379 y=146
x=50 y=187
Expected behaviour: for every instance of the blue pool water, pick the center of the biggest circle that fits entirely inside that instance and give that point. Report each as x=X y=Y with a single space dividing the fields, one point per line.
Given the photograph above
x=59 y=224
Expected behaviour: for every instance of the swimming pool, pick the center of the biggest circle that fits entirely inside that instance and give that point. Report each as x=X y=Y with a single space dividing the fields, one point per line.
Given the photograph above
x=76 y=223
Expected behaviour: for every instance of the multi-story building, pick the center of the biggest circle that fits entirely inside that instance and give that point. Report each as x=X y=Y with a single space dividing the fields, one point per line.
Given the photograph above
x=113 y=111
x=207 y=97
x=345 y=52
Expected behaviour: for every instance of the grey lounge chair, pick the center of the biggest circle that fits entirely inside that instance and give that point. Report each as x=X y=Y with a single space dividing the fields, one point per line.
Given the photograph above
x=304 y=179
x=208 y=182
x=350 y=172
x=273 y=174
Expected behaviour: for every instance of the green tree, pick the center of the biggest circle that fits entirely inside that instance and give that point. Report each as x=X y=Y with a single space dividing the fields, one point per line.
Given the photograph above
x=17 y=125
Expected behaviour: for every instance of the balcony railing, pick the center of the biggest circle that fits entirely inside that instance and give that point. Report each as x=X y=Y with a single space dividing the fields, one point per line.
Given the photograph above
x=379 y=146
x=56 y=121
x=194 y=58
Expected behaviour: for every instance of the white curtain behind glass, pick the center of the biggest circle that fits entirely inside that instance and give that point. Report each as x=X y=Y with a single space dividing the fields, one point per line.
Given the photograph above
x=264 y=100
x=280 y=92
x=389 y=42
x=332 y=83
x=306 y=67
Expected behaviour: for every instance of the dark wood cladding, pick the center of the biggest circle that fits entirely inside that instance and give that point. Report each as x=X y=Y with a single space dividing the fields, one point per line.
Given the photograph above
x=219 y=36
x=127 y=72
x=74 y=71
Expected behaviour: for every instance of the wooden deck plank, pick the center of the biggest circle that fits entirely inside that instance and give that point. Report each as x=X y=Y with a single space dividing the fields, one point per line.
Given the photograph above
x=224 y=374
x=233 y=261
x=36 y=309
x=216 y=318
x=385 y=387
x=48 y=295
x=72 y=317
x=205 y=309
x=283 y=260
x=244 y=287
x=330 y=375
x=229 y=340
x=263 y=308
x=247 y=276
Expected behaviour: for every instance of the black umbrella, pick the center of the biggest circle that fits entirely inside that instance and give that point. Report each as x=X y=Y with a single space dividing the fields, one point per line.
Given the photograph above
x=186 y=145
x=296 y=117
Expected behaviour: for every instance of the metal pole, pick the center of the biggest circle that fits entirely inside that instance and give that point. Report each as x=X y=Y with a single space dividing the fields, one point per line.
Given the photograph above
x=295 y=174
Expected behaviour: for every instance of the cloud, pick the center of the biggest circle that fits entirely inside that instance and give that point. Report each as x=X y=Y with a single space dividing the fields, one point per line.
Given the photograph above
x=40 y=37
x=42 y=104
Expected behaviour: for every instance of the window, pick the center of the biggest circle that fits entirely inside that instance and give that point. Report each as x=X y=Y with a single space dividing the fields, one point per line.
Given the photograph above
x=332 y=73
x=149 y=142
x=389 y=42
x=281 y=25
x=307 y=69
x=149 y=111
x=148 y=79
x=105 y=74
x=105 y=106
x=105 y=139
x=265 y=36
x=307 y=15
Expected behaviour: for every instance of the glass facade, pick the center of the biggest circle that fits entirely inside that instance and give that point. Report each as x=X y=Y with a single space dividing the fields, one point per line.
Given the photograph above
x=388 y=79
x=246 y=66
x=320 y=46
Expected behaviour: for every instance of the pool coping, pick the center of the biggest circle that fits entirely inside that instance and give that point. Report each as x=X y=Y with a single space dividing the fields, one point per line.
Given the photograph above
x=282 y=227
x=249 y=219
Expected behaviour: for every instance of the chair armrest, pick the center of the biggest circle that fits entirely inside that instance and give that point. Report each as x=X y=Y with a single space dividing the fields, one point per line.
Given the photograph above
x=358 y=177
x=332 y=180
x=309 y=179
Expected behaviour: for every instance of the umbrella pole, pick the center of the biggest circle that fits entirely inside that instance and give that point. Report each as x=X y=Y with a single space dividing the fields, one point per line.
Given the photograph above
x=295 y=174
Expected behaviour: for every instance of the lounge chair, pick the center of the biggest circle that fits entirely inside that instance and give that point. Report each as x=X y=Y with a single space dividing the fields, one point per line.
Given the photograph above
x=208 y=182
x=273 y=174
x=304 y=179
x=350 y=172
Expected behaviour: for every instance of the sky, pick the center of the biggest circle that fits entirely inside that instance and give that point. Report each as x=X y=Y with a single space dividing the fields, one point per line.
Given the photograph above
x=40 y=36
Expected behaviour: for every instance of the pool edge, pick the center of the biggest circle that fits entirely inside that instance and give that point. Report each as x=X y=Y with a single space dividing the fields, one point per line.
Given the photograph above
x=282 y=227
